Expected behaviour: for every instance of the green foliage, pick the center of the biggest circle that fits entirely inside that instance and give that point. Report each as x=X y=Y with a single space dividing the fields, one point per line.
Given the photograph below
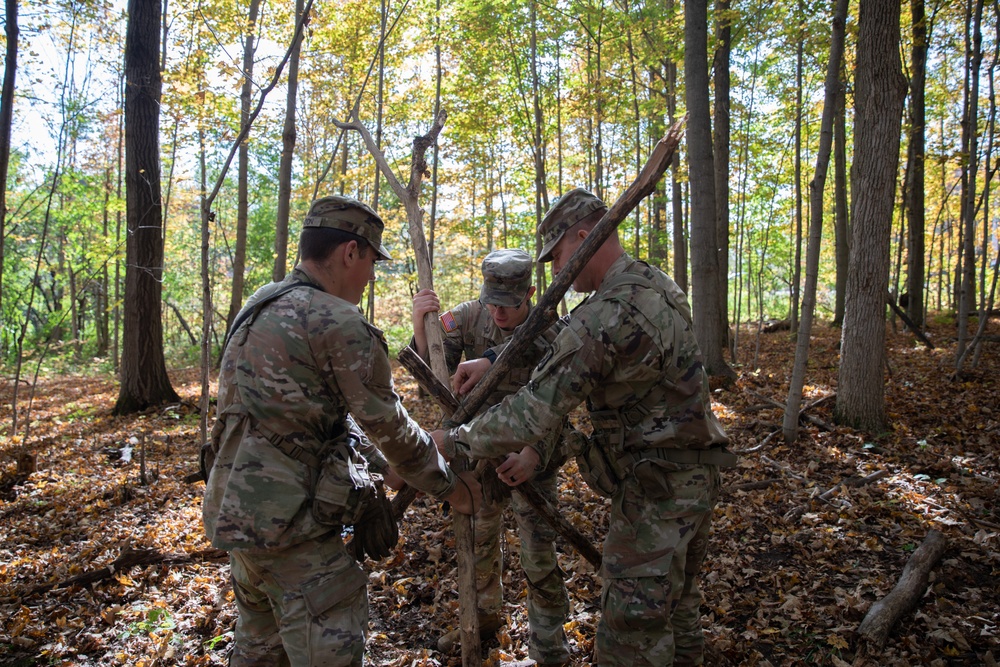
x=599 y=71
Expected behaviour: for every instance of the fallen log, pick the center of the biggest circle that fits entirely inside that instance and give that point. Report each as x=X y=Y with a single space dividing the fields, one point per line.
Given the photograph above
x=129 y=558
x=901 y=600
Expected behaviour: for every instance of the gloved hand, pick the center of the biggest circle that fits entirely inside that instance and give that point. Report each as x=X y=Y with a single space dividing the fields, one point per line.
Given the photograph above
x=376 y=532
x=494 y=490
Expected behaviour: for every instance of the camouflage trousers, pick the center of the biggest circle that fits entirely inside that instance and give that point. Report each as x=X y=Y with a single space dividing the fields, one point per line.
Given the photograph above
x=650 y=613
x=306 y=606
x=548 y=604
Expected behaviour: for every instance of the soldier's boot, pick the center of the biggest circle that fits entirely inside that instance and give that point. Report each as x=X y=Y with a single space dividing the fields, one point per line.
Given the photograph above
x=488 y=625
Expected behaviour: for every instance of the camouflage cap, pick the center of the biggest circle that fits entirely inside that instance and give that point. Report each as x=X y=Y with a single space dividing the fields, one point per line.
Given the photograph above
x=348 y=215
x=568 y=210
x=506 y=278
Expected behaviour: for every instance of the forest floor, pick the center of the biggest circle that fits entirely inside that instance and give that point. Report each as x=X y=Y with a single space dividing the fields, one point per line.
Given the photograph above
x=788 y=579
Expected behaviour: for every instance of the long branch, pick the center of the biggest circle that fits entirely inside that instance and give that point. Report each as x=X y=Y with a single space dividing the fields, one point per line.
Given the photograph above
x=545 y=313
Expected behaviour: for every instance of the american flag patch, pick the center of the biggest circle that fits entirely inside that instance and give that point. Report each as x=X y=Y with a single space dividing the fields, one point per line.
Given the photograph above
x=448 y=322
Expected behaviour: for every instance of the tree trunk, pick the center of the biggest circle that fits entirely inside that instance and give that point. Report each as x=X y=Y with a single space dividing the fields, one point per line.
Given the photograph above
x=915 y=167
x=676 y=193
x=243 y=169
x=790 y=426
x=144 y=380
x=538 y=146
x=970 y=135
x=288 y=138
x=705 y=298
x=6 y=119
x=793 y=314
x=880 y=90
x=721 y=153
x=842 y=231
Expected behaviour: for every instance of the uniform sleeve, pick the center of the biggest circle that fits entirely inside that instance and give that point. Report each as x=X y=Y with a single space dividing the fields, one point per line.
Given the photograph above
x=580 y=357
x=358 y=362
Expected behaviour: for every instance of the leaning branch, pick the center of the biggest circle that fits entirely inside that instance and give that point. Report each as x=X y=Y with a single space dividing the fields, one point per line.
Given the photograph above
x=542 y=317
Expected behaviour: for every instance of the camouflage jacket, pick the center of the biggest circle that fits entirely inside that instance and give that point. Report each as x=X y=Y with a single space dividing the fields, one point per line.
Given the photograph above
x=618 y=346
x=474 y=333
x=299 y=368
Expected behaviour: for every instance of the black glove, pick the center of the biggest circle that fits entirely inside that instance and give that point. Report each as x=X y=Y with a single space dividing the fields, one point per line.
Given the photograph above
x=376 y=533
x=494 y=490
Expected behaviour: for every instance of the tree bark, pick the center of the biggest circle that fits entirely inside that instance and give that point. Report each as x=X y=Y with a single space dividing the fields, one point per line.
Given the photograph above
x=842 y=231
x=790 y=425
x=6 y=119
x=915 y=167
x=288 y=138
x=904 y=597
x=724 y=33
x=705 y=297
x=243 y=170
x=970 y=146
x=879 y=99
x=144 y=380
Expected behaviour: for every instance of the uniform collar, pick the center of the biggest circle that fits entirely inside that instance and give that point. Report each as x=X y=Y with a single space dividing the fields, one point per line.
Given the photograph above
x=620 y=265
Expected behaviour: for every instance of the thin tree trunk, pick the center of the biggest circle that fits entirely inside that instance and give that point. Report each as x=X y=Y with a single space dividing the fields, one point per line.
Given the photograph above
x=790 y=425
x=538 y=146
x=676 y=193
x=288 y=139
x=879 y=97
x=721 y=153
x=6 y=119
x=915 y=167
x=793 y=315
x=432 y=223
x=704 y=245
x=243 y=170
x=842 y=250
x=970 y=125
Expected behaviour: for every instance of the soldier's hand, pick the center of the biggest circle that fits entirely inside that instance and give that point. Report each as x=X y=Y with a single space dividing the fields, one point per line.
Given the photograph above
x=425 y=301
x=468 y=374
x=468 y=494
x=393 y=480
x=519 y=467
x=447 y=450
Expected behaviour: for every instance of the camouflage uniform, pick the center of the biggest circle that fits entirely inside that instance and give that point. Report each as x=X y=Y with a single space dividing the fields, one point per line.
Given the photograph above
x=470 y=330
x=630 y=352
x=290 y=375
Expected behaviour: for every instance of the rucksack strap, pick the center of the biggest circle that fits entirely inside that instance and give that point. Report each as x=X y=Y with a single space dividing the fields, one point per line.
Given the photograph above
x=254 y=311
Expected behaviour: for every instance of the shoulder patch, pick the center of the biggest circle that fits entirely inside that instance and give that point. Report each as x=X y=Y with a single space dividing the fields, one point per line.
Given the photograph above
x=448 y=321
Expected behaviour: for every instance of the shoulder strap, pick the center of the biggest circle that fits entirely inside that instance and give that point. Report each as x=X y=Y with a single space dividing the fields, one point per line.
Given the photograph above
x=252 y=312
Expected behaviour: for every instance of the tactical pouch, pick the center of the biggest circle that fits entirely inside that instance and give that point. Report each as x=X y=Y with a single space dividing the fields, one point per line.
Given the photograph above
x=376 y=532
x=343 y=486
x=594 y=461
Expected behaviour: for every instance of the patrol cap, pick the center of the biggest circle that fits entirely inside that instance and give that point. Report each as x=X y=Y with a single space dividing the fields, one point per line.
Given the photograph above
x=348 y=215
x=506 y=278
x=568 y=210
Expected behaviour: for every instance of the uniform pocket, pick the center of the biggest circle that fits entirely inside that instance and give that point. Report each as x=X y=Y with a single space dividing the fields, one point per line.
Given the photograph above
x=332 y=590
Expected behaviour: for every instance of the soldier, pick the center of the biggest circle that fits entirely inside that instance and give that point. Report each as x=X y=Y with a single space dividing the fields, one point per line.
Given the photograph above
x=630 y=352
x=285 y=472
x=476 y=328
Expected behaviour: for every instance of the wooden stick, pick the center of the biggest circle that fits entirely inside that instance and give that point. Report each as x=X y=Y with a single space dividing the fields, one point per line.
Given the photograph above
x=884 y=614
x=543 y=315
x=461 y=523
x=913 y=327
x=412 y=362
